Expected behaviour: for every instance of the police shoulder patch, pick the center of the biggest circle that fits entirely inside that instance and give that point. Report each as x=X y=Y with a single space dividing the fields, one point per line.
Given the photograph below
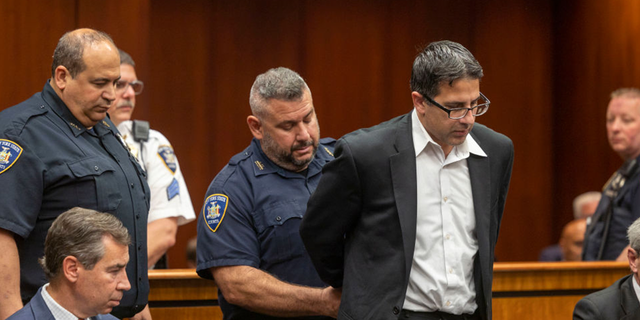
x=165 y=152
x=9 y=154
x=215 y=207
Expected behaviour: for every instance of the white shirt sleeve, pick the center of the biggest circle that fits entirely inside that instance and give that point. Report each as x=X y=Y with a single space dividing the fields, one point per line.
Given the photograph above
x=169 y=194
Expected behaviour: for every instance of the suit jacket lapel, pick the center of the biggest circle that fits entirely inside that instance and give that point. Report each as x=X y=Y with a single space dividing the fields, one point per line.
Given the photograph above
x=39 y=307
x=403 y=176
x=628 y=300
x=480 y=176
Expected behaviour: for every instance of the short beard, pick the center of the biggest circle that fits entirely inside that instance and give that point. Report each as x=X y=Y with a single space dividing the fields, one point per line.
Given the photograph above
x=285 y=158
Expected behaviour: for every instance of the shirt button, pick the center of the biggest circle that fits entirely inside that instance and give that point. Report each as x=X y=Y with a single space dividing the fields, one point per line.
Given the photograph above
x=137 y=216
x=448 y=303
x=96 y=168
x=448 y=237
x=139 y=248
x=132 y=186
x=450 y=270
x=445 y=199
x=278 y=218
x=41 y=107
x=396 y=310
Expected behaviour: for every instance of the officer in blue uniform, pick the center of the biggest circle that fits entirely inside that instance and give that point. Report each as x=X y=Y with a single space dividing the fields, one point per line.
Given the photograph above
x=248 y=239
x=59 y=151
x=619 y=207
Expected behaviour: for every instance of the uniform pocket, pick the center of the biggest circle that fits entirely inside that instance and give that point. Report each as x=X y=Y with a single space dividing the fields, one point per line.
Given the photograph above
x=278 y=227
x=97 y=185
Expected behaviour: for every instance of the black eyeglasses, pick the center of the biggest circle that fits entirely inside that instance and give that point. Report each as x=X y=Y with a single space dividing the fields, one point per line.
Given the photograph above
x=479 y=109
x=137 y=86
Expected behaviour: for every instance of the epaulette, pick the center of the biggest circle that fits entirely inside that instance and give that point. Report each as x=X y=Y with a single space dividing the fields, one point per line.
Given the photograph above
x=239 y=157
x=326 y=147
x=19 y=117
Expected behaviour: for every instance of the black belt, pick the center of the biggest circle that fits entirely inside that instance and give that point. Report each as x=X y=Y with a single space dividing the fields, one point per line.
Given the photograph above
x=436 y=315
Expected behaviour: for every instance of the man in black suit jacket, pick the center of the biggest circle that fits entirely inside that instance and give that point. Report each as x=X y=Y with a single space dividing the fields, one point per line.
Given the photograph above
x=406 y=218
x=620 y=300
x=85 y=255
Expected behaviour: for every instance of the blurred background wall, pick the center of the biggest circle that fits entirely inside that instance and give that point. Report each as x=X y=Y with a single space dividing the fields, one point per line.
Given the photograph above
x=549 y=68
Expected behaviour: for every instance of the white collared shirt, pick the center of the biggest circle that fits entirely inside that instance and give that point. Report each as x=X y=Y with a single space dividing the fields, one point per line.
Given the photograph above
x=636 y=287
x=59 y=312
x=441 y=277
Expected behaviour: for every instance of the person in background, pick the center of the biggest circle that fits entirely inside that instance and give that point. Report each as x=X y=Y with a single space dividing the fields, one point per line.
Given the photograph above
x=170 y=201
x=621 y=300
x=248 y=239
x=85 y=254
x=620 y=203
x=584 y=206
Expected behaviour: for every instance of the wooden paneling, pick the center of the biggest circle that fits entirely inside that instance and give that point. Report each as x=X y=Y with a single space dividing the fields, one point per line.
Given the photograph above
x=549 y=67
x=356 y=56
x=550 y=291
x=596 y=52
x=30 y=32
x=523 y=291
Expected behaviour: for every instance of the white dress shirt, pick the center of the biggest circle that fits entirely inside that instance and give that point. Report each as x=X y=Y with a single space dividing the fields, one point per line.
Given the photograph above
x=59 y=312
x=169 y=194
x=636 y=287
x=441 y=277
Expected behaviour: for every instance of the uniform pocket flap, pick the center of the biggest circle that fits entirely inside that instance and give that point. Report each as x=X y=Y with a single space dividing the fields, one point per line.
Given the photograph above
x=93 y=166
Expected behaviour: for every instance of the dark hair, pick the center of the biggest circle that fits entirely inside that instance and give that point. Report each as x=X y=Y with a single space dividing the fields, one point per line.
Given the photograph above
x=125 y=58
x=277 y=83
x=442 y=61
x=79 y=232
x=70 y=48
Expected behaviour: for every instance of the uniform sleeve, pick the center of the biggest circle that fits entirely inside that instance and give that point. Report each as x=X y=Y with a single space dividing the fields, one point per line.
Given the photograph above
x=169 y=194
x=22 y=180
x=332 y=211
x=226 y=233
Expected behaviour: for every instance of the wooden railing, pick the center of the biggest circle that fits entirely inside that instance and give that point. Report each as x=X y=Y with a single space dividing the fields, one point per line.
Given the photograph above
x=521 y=291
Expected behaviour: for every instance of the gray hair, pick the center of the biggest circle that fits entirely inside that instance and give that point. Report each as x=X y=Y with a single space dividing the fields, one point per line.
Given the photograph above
x=277 y=83
x=125 y=58
x=70 y=48
x=79 y=232
x=632 y=93
x=442 y=61
x=581 y=200
x=633 y=233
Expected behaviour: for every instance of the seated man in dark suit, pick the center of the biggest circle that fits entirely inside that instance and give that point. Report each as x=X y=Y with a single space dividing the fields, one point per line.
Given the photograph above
x=620 y=300
x=85 y=254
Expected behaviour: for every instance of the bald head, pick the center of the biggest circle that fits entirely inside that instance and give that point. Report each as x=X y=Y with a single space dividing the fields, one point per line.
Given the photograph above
x=86 y=66
x=572 y=239
x=71 y=46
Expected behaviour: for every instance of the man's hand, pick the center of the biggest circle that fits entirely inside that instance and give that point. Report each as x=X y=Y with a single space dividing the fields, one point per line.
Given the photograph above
x=260 y=292
x=331 y=298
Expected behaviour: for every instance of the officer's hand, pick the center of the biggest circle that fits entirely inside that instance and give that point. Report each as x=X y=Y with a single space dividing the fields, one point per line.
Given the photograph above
x=331 y=299
x=145 y=314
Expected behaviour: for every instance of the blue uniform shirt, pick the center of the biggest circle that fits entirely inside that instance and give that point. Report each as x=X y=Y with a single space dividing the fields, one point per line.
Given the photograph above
x=49 y=163
x=626 y=209
x=251 y=217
